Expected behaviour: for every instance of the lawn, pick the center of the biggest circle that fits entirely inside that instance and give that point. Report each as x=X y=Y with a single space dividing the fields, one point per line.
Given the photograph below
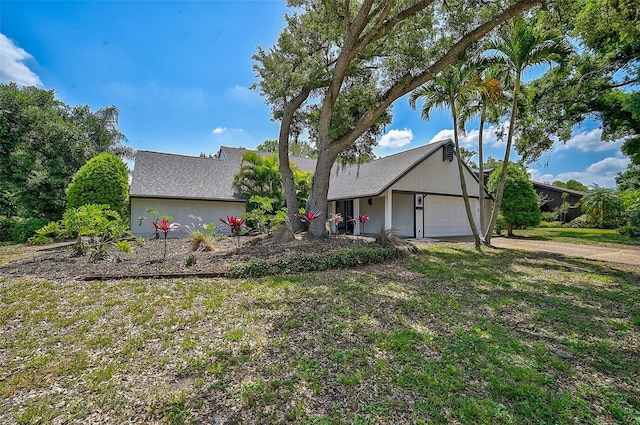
x=604 y=237
x=448 y=335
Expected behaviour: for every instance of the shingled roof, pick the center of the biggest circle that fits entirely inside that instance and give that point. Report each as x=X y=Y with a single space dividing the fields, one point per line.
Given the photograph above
x=373 y=178
x=163 y=175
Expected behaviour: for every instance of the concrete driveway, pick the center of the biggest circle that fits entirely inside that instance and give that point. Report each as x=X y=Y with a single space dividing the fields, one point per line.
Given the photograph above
x=590 y=252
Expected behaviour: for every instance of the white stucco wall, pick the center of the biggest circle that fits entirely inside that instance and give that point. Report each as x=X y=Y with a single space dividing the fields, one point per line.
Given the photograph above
x=179 y=210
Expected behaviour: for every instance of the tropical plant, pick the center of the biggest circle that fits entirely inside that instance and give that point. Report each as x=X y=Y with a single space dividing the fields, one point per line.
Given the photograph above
x=601 y=204
x=165 y=227
x=518 y=47
x=363 y=220
x=259 y=216
x=201 y=235
x=455 y=88
x=236 y=227
x=95 y=227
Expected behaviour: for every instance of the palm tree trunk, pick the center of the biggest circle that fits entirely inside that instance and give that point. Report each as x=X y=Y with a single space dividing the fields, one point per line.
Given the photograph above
x=503 y=176
x=481 y=175
x=463 y=182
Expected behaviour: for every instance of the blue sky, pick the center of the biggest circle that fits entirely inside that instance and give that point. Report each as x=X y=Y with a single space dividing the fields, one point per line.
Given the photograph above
x=180 y=74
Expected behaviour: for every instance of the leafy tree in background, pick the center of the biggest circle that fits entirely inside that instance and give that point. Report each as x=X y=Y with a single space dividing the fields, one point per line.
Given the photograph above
x=104 y=179
x=571 y=184
x=300 y=148
x=43 y=142
x=403 y=45
x=629 y=179
x=601 y=82
x=520 y=202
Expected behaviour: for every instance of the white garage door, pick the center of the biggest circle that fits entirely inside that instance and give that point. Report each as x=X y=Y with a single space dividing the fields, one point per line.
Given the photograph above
x=446 y=216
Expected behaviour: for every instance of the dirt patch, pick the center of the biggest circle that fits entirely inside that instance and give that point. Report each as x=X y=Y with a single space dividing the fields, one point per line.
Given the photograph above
x=60 y=262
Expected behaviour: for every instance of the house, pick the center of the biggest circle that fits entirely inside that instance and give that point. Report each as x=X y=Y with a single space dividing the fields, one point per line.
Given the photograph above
x=555 y=196
x=415 y=193
x=181 y=186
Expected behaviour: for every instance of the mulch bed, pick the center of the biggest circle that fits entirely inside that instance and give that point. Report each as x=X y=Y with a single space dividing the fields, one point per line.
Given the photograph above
x=58 y=261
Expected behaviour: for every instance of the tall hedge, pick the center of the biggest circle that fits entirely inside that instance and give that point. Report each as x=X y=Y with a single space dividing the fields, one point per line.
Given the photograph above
x=104 y=179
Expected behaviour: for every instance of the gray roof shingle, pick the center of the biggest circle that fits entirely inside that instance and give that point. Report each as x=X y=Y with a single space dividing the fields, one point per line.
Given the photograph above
x=163 y=175
x=373 y=178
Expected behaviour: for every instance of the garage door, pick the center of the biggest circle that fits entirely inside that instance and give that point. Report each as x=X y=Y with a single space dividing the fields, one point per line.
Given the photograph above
x=446 y=216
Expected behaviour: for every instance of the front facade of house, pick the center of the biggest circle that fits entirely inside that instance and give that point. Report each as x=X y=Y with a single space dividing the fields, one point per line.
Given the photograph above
x=414 y=194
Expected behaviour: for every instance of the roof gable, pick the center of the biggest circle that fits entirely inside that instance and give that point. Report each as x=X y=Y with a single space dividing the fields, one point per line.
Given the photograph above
x=373 y=178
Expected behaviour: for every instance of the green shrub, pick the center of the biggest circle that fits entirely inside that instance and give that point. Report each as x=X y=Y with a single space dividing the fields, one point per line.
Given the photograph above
x=307 y=262
x=19 y=230
x=45 y=234
x=102 y=180
x=634 y=218
x=631 y=231
x=549 y=216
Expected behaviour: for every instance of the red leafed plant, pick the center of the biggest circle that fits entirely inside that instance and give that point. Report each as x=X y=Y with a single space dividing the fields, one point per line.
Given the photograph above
x=235 y=227
x=163 y=225
x=337 y=219
x=363 y=219
x=308 y=217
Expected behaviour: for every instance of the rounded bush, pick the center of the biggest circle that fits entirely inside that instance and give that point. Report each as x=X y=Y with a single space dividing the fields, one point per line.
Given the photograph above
x=104 y=179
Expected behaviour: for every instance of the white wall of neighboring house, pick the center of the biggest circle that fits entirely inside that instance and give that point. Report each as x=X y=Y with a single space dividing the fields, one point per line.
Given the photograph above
x=179 y=210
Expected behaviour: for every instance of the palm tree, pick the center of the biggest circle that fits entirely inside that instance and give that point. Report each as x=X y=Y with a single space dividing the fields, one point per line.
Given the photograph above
x=601 y=203
x=454 y=88
x=518 y=47
x=491 y=106
x=259 y=175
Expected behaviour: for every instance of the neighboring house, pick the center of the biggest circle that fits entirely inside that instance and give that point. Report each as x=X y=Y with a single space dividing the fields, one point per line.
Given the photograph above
x=415 y=193
x=555 y=196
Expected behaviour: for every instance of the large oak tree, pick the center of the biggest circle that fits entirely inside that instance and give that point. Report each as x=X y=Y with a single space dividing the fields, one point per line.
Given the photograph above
x=405 y=44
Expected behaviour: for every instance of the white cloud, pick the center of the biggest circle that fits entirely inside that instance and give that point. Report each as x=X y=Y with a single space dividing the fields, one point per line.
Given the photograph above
x=396 y=138
x=12 y=67
x=242 y=94
x=470 y=140
x=602 y=173
x=223 y=130
x=589 y=141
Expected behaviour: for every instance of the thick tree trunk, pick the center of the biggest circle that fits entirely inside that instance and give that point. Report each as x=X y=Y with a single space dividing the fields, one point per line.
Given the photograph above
x=320 y=189
x=288 y=182
x=463 y=182
x=503 y=175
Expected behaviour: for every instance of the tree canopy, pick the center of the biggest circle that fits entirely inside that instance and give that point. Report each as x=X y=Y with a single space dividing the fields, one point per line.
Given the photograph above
x=353 y=59
x=43 y=142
